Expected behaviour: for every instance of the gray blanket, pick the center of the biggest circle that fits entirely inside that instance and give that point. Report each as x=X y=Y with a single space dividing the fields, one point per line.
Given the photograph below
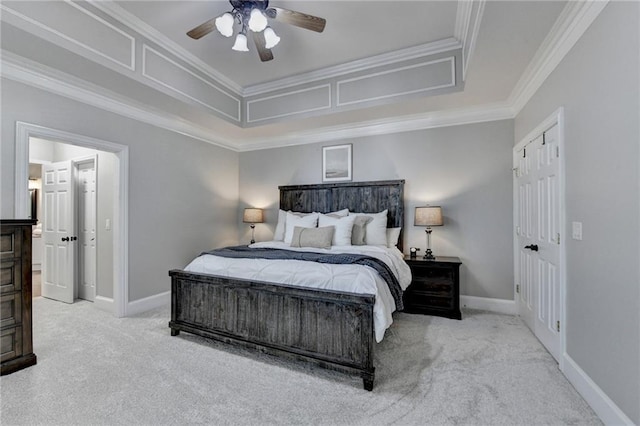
x=244 y=252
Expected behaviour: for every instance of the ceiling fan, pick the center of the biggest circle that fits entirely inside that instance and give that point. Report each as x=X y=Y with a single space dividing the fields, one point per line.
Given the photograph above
x=252 y=16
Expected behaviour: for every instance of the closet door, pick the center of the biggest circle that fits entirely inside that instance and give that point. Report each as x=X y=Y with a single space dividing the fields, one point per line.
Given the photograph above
x=538 y=262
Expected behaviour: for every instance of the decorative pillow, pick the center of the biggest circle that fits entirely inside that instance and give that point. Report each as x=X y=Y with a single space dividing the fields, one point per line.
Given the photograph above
x=393 y=234
x=293 y=220
x=312 y=237
x=376 y=230
x=343 y=227
x=281 y=226
x=359 y=230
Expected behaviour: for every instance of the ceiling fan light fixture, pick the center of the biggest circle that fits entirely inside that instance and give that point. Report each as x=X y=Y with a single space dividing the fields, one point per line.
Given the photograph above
x=271 y=38
x=241 y=43
x=257 y=21
x=224 y=24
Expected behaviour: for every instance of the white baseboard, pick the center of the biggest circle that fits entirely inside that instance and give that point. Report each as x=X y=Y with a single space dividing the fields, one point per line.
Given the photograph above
x=148 y=303
x=104 y=304
x=501 y=306
x=605 y=408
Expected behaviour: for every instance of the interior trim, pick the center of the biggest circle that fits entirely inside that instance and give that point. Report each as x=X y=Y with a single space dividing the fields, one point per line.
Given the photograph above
x=605 y=408
x=129 y=66
x=24 y=131
x=145 y=68
x=48 y=79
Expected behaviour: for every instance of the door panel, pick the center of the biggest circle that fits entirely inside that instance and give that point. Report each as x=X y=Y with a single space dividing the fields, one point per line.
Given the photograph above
x=87 y=230
x=58 y=230
x=538 y=204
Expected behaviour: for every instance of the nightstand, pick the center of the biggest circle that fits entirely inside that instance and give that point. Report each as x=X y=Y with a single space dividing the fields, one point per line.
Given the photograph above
x=434 y=288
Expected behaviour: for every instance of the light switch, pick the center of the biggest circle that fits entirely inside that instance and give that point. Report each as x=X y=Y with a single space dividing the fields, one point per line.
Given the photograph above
x=107 y=225
x=576 y=230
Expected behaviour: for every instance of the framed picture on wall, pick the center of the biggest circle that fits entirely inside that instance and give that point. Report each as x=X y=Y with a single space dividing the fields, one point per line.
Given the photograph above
x=336 y=163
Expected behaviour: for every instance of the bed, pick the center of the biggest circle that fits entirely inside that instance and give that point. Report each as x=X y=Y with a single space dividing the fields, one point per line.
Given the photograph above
x=330 y=328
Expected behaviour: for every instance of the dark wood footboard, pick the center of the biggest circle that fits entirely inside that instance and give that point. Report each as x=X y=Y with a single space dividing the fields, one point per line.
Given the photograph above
x=331 y=329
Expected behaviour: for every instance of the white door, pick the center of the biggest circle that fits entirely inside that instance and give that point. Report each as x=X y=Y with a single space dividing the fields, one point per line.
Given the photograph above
x=538 y=237
x=58 y=272
x=86 y=178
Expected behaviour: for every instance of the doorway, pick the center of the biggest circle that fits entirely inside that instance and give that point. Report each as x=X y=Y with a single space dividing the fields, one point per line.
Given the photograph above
x=539 y=260
x=69 y=218
x=117 y=300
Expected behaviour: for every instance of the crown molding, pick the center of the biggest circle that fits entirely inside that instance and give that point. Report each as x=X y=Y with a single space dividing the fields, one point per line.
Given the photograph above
x=465 y=21
x=115 y=11
x=401 y=124
x=433 y=48
x=28 y=72
x=573 y=21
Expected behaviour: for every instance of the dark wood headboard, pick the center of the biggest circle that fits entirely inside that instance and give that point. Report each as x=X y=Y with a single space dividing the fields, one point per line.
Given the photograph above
x=367 y=197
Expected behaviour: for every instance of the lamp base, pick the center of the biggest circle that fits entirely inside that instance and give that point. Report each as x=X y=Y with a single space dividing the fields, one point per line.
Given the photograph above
x=429 y=255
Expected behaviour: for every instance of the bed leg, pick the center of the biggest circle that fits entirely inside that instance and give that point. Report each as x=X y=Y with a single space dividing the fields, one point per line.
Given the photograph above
x=174 y=332
x=367 y=380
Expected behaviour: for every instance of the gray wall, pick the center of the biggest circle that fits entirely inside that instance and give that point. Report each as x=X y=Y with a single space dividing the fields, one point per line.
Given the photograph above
x=49 y=151
x=597 y=83
x=465 y=169
x=183 y=193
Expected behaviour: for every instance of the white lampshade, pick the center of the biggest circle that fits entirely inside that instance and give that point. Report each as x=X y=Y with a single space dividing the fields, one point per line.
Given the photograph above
x=428 y=216
x=257 y=21
x=271 y=38
x=224 y=24
x=252 y=215
x=241 y=43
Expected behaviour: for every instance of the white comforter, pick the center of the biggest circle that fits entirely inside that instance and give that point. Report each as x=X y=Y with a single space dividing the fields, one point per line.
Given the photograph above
x=350 y=278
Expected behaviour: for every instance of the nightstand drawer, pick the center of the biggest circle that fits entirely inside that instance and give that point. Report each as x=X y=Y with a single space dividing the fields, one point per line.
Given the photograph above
x=427 y=301
x=432 y=273
x=419 y=285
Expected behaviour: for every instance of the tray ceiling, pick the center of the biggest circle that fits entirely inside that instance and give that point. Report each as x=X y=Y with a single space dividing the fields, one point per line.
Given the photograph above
x=496 y=41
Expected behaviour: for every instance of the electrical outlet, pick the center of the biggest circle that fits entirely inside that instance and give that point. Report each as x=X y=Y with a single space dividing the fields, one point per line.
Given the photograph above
x=576 y=230
x=107 y=224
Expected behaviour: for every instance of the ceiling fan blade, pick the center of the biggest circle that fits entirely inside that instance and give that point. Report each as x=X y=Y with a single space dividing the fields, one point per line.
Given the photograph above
x=298 y=19
x=203 y=29
x=265 y=54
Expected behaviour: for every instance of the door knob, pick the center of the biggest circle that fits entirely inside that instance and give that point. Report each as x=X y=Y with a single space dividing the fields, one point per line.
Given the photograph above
x=65 y=239
x=74 y=238
x=532 y=247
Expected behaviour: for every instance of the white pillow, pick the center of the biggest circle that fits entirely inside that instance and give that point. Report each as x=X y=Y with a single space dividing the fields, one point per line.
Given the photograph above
x=341 y=213
x=278 y=234
x=376 y=230
x=281 y=226
x=293 y=220
x=393 y=235
x=343 y=228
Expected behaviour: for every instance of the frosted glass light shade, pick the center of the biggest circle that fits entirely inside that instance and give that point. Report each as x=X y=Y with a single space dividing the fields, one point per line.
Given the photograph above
x=257 y=21
x=428 y=216
x=224 y=24
x=271 y=38
x=251 y=215
x=241 y=43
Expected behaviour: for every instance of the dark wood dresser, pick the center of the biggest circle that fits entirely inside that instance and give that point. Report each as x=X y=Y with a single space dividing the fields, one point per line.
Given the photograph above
x=434 y=288
x=16 y=348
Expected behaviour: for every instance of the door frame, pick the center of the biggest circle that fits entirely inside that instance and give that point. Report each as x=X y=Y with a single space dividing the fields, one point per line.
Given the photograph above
x=25 y=131
x=556 y=117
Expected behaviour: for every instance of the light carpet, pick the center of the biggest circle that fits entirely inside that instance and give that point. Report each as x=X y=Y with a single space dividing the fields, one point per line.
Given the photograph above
x=93 y=369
